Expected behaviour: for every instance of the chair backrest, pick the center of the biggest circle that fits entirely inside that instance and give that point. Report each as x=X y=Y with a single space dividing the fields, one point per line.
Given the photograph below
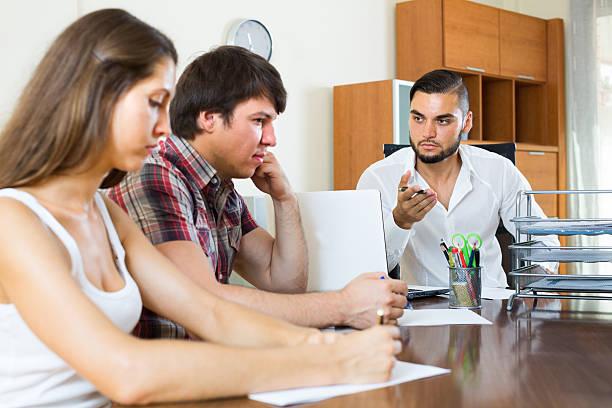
x=508 y=150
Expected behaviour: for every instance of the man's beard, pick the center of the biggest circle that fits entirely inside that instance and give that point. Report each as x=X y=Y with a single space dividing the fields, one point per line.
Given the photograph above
x=445 y=153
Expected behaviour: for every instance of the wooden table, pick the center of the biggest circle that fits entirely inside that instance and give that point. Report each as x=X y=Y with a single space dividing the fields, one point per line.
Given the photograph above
x=548 y=357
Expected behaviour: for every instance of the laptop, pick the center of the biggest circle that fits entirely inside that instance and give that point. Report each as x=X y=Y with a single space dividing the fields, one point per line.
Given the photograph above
x=345 y=237
x=414 y=293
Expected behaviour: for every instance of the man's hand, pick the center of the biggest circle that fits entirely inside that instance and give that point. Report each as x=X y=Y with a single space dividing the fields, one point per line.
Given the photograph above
x=271 y=179
x=367 y=293
x=412 y=203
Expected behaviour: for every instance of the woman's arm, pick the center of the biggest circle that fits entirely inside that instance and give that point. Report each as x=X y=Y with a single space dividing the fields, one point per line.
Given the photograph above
x=35 y=276
x=169 y=293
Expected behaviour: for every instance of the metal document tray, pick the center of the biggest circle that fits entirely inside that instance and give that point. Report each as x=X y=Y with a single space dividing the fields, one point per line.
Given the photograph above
x=538 y=226
x=535 y=251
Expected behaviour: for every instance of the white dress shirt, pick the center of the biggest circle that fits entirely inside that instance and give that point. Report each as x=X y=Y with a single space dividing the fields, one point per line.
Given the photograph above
x=484 y=192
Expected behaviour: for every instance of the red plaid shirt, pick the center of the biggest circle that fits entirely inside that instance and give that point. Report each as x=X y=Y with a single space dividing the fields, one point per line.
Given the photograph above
x=177 y=196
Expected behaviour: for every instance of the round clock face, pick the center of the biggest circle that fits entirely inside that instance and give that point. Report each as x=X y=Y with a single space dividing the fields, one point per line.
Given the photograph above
x=253 y=36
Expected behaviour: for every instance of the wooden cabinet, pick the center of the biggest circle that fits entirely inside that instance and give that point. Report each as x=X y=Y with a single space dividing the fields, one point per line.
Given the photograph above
x=471 y=36
x=468 y=36
x=366 y=116
x=522 y=46
x=540 y=168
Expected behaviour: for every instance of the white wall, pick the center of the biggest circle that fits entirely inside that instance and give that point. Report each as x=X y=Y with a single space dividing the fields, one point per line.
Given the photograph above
x=27 y=28
x=317 y=44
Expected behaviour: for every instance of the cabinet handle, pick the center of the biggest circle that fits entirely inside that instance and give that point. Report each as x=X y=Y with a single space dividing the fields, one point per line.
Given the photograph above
x=525 y=77
x=475 y=69
x=536 y=153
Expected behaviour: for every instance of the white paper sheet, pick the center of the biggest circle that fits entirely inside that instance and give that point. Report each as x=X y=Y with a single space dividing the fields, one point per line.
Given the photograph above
x=496 y=293
x=402 y=372
x=440 y=317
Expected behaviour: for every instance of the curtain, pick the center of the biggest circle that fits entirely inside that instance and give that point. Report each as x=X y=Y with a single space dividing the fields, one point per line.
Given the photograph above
x=589 y=124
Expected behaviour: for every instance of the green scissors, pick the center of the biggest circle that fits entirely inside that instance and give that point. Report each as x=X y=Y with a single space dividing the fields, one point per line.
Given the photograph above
x=466 y=244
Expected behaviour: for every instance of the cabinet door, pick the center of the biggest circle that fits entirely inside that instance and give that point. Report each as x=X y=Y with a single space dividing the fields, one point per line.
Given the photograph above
x=540 y=169
x=522 y=46
x=471 y=36
x=363 y=122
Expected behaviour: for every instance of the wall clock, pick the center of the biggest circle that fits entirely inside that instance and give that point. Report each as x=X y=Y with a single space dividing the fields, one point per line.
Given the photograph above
x=252 y=35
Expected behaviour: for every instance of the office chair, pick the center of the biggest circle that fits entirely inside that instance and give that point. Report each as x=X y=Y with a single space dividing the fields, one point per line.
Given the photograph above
x=504 y=237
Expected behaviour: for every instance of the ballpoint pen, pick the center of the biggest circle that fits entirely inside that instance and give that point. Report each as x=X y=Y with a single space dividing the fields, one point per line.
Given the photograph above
x=471 y=261
x=462 y=258
x=445 y=251
x=408 y=305
x=402 y=189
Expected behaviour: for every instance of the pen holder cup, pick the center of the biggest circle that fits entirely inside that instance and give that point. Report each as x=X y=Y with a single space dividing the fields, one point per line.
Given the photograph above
x=464 y=288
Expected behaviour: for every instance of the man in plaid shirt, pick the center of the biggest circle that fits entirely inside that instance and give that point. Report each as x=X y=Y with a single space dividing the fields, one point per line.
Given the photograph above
x=184 y=200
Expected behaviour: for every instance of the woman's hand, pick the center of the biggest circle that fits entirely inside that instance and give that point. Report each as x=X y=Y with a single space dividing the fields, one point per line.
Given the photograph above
x=367 y=356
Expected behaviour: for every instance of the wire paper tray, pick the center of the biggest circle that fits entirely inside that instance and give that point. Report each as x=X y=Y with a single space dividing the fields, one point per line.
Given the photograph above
x=573 y=284
x=547 y=226
x=531 y=284
x=535 y=251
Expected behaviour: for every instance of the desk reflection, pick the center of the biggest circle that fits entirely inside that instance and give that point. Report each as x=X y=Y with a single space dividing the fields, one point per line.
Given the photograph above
x=548 y=357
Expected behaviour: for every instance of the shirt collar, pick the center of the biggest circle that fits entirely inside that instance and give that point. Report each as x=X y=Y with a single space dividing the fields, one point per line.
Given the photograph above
x=467 y=161
x=202 y=173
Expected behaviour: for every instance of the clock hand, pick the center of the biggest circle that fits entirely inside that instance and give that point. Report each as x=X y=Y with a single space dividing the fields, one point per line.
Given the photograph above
x=250 y=42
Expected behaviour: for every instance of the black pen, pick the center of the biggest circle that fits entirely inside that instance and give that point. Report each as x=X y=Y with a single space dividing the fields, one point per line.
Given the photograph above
x=444 y=249
x=402 y=189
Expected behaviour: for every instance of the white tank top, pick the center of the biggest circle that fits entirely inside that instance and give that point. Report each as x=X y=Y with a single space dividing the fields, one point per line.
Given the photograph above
x=31 y=375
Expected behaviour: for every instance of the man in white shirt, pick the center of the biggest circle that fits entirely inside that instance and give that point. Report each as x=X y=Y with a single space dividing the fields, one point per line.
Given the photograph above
x=462 y=189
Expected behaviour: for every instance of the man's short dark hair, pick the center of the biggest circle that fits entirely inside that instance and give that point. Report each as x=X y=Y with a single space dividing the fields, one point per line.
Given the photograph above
x=442 y=81
x=219 y=80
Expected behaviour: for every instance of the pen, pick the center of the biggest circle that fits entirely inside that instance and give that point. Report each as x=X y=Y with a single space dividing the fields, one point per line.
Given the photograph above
x=476 y=257
x=455 y=253
x=402 y=189
x=444 y=251
x=471 y=261
x=408 y=305
x=381 y=316
x=462 y=259
x=443 y=244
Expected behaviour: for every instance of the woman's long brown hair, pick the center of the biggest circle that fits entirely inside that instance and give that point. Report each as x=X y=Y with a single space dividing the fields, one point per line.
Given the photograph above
x=62 y=119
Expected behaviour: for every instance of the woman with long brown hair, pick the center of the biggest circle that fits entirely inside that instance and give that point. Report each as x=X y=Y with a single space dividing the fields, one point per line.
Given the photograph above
x=75 y=270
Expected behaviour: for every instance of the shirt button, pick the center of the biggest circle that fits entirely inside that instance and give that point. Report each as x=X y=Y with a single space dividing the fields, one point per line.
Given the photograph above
x=214 y=180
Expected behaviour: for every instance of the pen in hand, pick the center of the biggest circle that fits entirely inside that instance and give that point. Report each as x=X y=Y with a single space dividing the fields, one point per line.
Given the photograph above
x=408 y=305
x=402 y=189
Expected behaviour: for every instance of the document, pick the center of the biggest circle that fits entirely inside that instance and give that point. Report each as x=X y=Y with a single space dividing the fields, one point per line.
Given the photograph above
x=496 y=293
x=440 y=317
x=402 y=372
